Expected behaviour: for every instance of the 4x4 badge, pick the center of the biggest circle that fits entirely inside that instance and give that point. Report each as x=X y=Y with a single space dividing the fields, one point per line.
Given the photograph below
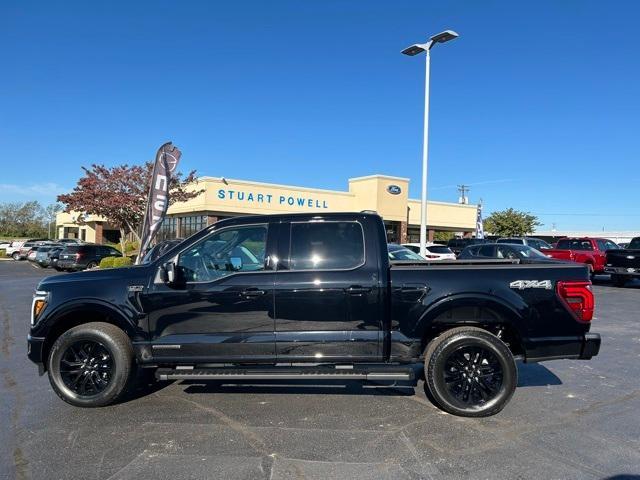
x=523 y=284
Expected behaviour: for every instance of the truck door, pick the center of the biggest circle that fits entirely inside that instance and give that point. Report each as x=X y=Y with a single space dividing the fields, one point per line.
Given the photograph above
x=223 y=311
x=327 y=293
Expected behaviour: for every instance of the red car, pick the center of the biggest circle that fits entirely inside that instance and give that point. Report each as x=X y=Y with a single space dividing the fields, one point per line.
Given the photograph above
x=590 y=251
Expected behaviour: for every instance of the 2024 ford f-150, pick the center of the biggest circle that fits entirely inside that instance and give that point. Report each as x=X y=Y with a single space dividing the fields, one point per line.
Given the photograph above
x=624 y=264
x=313 y=297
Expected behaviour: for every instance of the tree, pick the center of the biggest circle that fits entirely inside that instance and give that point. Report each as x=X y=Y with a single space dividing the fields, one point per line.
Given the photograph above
x=22 y=219
x=51 y=211
x=511 y=223
x=119 y=194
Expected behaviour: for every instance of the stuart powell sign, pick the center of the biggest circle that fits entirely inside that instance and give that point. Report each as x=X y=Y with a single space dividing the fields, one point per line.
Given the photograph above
x=167 y=159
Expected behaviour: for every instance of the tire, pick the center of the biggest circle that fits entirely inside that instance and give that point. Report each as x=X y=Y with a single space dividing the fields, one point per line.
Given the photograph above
x=618 y=280
x=15 y=256
x=91 y=265
x=452 y=355
x=88 y=383
x=58 y=269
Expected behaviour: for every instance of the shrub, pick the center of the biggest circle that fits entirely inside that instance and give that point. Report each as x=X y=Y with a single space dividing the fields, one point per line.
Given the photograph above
x=107 y=262
x=121 y=262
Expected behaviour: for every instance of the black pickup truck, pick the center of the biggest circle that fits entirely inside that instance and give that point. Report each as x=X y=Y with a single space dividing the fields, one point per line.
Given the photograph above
x=309 y=297
x=624 y=264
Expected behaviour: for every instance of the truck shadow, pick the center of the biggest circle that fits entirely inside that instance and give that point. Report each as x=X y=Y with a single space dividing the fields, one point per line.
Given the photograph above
x=536 y=375
x=305 y=387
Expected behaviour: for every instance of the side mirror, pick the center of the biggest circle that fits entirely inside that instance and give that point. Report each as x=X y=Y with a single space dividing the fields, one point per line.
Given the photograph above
x=170 y=273
x=236 y=263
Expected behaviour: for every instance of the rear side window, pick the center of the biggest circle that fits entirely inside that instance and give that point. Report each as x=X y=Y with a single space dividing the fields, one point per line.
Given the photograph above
x=486 y=251
x=440 y=249
x=326 y=246
x=574 y=245
x=635 y=243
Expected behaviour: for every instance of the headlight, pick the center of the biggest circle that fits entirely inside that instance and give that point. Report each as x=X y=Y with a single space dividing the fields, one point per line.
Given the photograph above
x=40 y=300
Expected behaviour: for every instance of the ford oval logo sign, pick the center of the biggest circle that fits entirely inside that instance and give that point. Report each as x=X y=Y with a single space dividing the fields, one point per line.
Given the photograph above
x=394 y=189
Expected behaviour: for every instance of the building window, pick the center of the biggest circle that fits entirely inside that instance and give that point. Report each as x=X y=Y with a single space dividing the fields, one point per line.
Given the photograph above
x=168 y=229
x=192 y=224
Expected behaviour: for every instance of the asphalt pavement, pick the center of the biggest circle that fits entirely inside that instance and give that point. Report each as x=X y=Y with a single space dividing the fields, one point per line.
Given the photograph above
x=567 y=419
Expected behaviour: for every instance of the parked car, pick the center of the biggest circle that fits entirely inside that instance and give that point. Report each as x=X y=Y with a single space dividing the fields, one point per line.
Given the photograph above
x=323 y=302
x=458 y=244
x=80 y=257
x=43 y=254
x=509 y=251
x=590 y=251
x=532 y=242
x=31 y=255
x=624 y=264
x=434 y=252
x=13 y=250
x=54 y=256
x=4 y=245
x=26 y=247
x=402 y=253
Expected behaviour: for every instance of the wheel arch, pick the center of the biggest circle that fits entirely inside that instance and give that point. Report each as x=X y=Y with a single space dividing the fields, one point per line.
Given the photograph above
x=483 y=311
x=77 y=313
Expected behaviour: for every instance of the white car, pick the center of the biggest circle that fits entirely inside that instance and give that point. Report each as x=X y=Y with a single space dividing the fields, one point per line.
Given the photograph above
x=435 y=251
x=13 y=250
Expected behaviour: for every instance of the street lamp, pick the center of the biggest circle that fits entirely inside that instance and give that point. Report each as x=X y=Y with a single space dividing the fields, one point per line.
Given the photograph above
x=412 y=51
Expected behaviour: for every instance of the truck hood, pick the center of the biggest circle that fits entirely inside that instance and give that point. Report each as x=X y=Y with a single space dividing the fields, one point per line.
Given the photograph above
x=132 y=274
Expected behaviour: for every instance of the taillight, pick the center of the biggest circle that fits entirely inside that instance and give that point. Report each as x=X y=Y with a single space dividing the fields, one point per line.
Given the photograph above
x=78 y=256
x=431 y=256
x=578 y=297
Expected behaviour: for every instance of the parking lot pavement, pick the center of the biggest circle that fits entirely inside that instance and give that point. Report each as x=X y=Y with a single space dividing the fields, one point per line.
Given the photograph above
x=568 y=419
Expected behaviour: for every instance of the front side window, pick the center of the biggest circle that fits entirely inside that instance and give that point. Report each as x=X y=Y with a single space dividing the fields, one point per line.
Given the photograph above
x=240 y=249
x=326 y=245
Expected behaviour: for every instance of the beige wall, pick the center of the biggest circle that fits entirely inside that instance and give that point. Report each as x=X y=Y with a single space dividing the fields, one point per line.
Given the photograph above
x=365 y=193
x=242 y=197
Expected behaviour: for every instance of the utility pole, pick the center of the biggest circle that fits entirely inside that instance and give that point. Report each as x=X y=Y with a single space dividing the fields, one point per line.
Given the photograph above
x=463 y=189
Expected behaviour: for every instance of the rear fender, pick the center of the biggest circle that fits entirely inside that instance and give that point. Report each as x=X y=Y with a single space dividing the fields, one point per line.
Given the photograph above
x=512 y=314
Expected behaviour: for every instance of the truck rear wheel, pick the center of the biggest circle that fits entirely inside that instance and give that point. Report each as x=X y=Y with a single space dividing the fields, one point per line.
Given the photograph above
x=469 y=372
x=91 y=365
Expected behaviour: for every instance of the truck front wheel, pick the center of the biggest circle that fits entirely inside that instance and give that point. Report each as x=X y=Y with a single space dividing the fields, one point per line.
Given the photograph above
x=91 y=365
x=469 y=372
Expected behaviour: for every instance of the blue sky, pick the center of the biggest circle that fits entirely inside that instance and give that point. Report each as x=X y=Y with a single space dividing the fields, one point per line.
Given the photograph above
x=536 y=105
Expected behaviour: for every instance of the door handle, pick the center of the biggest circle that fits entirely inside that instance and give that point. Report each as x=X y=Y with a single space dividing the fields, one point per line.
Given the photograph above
x=253 y=292
x=358 y=290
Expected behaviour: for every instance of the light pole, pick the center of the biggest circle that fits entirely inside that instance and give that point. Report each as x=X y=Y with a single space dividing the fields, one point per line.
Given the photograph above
x=411 y=51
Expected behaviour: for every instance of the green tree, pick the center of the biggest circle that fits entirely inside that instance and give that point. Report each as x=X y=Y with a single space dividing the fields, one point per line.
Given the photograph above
x=19 y=220
x=510 y=223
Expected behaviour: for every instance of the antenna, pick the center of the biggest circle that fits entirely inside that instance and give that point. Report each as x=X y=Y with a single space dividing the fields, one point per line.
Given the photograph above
x=463 y=189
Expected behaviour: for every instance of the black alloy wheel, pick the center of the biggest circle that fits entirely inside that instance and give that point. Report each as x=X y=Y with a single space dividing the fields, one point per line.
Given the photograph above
x=473 y=375
x=469 y=372
x=86 y=367
x=91 y=365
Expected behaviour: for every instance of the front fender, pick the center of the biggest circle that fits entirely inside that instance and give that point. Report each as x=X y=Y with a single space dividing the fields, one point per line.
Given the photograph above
x=125 y=318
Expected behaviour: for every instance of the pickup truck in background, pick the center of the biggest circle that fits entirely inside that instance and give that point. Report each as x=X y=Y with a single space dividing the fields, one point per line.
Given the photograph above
x=590 y=251
x=624 y=264
x=309 y=296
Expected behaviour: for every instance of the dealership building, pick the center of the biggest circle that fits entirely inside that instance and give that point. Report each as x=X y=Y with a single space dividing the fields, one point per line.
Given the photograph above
x=223 y=198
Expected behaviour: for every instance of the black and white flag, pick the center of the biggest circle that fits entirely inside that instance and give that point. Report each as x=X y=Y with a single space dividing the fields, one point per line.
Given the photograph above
x=167 y=159
x=479 y=225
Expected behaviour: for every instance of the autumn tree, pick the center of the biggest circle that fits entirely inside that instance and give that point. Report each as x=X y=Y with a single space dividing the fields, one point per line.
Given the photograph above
x=511 y=223
x=119 y=194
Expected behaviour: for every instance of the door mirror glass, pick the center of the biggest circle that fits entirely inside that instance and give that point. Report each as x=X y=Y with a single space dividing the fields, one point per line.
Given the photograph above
x=236 y=263
x=170 y=273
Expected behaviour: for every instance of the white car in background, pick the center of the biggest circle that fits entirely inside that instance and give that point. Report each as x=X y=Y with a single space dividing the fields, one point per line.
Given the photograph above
x=435 y=251
x=13 y=250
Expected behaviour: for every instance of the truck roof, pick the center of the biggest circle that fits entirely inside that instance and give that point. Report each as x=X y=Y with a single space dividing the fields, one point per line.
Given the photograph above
x=284 y=217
